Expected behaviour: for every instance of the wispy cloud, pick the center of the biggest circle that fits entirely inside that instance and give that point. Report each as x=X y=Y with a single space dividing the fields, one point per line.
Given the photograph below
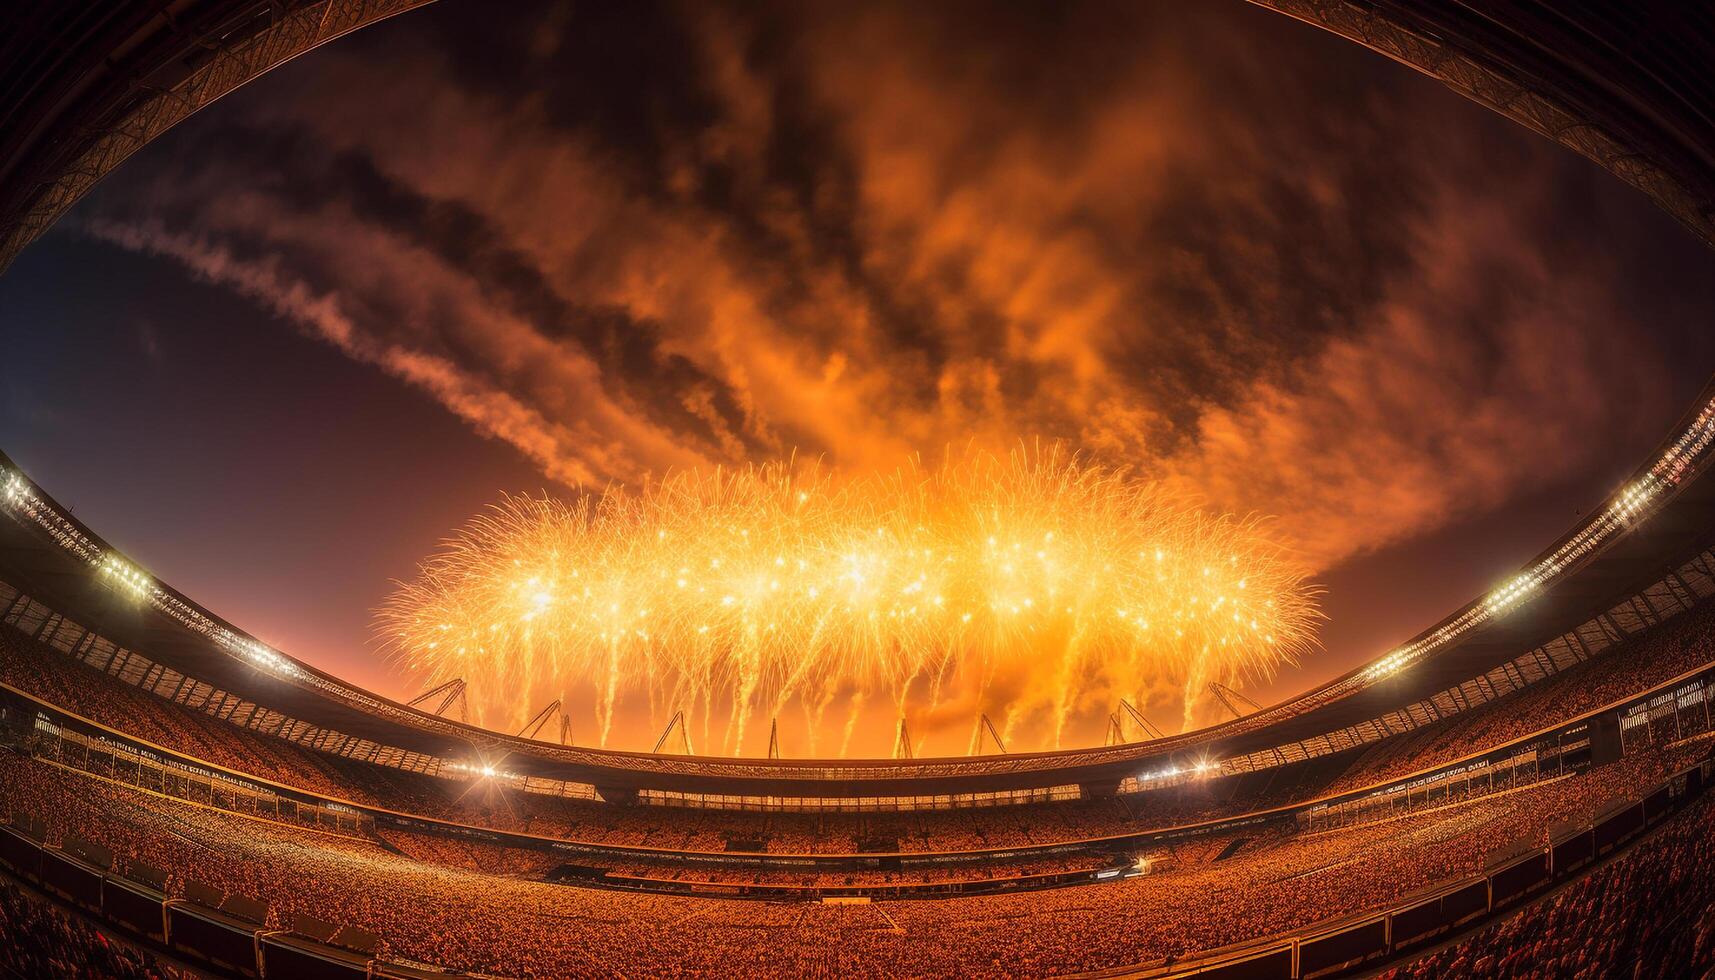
x=1160 y=235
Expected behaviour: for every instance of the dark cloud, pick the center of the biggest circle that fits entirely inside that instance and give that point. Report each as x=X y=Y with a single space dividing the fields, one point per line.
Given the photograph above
x=1248 y=259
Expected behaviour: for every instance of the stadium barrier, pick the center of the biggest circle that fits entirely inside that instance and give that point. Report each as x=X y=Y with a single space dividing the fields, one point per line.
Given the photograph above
x=1266 y=964
x=1513 y=882
x=135 y=907
x=71 y=879
x=588 y=876
x=1617 y=827
x=1349 y=946
x=20 y=853
x=206 y=934
x=1571 y=852
x=1430 y=918
x=285 y=955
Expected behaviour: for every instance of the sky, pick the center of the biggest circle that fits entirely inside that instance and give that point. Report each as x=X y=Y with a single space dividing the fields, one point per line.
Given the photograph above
x=284 y=351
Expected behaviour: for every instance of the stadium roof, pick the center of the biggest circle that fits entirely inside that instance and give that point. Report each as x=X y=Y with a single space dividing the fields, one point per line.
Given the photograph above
x=85 y=85
x=1625 y=84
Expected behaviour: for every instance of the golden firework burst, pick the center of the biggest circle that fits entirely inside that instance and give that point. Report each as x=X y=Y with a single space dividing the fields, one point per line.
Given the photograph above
x=1021 y=583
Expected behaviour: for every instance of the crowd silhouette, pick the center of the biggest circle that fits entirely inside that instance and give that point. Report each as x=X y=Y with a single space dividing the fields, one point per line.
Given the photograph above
x=38 y=940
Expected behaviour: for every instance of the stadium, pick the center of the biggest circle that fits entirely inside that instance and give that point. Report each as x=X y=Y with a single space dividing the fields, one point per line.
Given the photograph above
x=1521 y=785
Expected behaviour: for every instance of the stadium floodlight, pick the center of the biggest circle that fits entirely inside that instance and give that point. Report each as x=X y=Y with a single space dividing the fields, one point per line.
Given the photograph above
x=1634 y=498
x=485 y=770
x=1392 y=663
x=126 y=575
x=1510 y=593
x=264 y=656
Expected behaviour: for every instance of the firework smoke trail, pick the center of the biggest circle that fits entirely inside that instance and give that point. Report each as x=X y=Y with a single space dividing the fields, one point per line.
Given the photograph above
x=736 y=592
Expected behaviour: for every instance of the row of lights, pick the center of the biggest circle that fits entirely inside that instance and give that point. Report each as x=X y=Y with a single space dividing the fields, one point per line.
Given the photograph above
x=1620 y=514
x=484 y=770
x=127 y=578
x=1669 y=470
x=126 y=575
x=260 y=654
x=1196 y=770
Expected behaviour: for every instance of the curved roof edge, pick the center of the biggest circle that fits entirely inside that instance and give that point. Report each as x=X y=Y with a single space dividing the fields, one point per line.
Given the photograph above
x=84 y=86
x=1625 y=85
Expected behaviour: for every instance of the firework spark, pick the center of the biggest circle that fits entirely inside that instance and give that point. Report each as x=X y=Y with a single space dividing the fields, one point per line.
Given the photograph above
x=741 y=593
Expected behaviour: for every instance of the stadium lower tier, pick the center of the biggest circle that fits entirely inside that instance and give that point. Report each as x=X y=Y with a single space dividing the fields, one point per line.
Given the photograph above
x=439 y=908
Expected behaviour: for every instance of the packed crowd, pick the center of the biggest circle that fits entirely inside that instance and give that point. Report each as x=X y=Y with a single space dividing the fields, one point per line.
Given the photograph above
x=681 y=828
x=38 y=940
x=445 y=914
x=493 y=859
x=1649 y=916
x=867 y=877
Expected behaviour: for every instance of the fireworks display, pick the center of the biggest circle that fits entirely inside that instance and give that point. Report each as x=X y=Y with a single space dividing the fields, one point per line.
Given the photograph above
x=1029 y=587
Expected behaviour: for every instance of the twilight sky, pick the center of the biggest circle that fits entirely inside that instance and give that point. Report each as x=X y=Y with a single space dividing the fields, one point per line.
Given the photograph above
x=287 y=348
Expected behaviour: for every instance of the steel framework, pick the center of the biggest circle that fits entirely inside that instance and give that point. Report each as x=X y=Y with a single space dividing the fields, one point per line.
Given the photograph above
x=1149 y=730
x=678 y=721
x=1231 y=699
x=534 y=725
x=450 y=693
